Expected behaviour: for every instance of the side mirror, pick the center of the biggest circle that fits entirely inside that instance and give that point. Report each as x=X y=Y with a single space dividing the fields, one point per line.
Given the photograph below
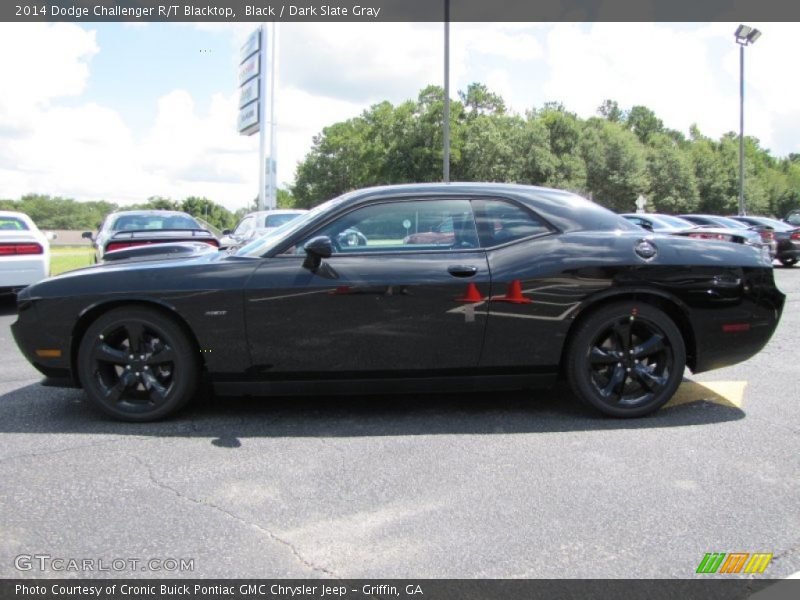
x=86 y=235
x=227 y=231
x=647 y=226
x=50 y=235
x=316 y=249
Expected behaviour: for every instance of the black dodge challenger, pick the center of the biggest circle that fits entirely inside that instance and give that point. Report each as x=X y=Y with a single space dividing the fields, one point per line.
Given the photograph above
x=432 y=287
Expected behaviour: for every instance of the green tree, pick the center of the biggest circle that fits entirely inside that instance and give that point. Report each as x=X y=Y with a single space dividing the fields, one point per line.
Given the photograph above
x=670 y=171
x=615 y=164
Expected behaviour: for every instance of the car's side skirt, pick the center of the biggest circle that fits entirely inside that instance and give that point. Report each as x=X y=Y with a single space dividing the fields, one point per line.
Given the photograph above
x=383 y=385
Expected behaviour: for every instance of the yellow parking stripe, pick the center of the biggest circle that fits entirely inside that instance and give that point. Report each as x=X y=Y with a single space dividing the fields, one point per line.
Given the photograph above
x=725 y=393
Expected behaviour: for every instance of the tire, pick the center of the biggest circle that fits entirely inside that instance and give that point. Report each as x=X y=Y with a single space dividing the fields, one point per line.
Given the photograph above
x=788 y=262
x=626 y=359
x=156 y=380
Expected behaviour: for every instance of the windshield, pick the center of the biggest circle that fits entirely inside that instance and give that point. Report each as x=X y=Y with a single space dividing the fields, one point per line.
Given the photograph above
x=12 y=224
x=279 y=219
x=144 y=222
x=675 y=222
x=774 y=223
x=730 y=223
x=273 y=238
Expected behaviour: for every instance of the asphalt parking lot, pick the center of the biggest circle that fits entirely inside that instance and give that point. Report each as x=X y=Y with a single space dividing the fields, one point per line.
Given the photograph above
x=492 y=485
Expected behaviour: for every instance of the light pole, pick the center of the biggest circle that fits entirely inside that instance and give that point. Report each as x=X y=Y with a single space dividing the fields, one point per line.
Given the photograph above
x=446 y=119
x=745 y=36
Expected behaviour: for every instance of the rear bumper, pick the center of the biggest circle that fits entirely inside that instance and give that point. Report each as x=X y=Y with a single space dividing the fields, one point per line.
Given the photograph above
x=728 y=335
x=21 y=271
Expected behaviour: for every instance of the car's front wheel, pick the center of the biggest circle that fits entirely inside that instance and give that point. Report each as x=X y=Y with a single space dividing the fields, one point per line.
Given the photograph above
x=626 y=359
x=137 y=364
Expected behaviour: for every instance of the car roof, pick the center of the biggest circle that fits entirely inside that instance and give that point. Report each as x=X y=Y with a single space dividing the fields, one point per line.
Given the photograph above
x=13 y=214
x=151 y=211
x=566 y=210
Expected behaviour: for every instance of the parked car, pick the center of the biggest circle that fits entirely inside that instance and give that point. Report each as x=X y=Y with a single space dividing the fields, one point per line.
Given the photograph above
x=562 y=286
x=793 y=218
x=258 y=223
x=787 y=237
x=757 y=236
x=24 y=252
x=659 y=222
x=739 y=234
x=132 y=228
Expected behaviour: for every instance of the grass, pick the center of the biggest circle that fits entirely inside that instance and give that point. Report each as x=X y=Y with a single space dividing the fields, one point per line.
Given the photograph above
x=67 y=258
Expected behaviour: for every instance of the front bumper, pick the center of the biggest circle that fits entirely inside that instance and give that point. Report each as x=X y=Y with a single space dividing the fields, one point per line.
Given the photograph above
x=30 y=336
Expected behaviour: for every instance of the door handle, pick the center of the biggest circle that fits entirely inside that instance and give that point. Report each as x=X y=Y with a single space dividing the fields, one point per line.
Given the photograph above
x=462 y=270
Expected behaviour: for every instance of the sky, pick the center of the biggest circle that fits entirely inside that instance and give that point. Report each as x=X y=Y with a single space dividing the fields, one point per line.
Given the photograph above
x=122 y=112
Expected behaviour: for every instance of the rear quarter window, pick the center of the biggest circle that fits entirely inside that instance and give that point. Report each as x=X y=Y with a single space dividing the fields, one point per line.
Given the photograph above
x=500 y=221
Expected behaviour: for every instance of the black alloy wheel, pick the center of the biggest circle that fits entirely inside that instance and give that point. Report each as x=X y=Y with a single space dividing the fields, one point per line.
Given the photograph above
x=626 y=359
x=136 y=364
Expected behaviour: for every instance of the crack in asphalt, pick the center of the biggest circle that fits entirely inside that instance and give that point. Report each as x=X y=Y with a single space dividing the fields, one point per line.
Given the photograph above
x=271 y=535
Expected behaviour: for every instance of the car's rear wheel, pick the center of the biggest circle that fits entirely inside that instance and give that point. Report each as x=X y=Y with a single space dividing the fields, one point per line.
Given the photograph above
x=788 y=262
x=626 y=359
x=137 y=364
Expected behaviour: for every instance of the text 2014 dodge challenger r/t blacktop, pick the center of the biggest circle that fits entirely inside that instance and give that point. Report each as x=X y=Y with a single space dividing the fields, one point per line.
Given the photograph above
x=529 y=284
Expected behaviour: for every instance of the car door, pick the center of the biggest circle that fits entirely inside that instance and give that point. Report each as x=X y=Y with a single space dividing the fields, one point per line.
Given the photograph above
x=388 y=299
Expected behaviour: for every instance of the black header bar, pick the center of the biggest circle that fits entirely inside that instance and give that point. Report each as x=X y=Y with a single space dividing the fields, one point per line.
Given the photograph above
x=400 y=10
x=402 y=589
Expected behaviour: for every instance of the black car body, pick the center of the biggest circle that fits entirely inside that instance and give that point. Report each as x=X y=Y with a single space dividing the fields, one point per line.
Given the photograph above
x=131 y=228
x=535 y=282
x=787 y=237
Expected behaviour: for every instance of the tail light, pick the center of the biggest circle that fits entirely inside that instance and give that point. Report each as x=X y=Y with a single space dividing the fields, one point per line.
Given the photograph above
x=795 y=235
x=213 y=242
x=17 y=249
x=121 y=245
x=704 y=235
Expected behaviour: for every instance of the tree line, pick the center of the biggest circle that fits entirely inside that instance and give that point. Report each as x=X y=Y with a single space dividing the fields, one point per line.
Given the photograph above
x=55 y=212
x=612 y=157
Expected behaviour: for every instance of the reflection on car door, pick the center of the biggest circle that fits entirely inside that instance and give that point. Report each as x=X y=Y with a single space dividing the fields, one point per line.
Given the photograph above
x=382 y=305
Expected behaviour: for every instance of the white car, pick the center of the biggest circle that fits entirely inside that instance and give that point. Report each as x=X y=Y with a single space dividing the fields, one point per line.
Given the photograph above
x=24 y=252
x=258 y=223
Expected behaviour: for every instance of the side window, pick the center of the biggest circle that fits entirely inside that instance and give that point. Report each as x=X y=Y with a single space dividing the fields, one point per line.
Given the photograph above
x=500 y=222
x=404 y=226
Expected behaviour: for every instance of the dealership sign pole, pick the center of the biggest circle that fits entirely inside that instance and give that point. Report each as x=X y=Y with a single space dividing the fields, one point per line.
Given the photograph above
x=253 y=97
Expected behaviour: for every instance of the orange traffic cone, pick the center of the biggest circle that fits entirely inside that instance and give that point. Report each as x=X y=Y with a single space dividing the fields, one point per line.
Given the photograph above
x=514 y=294
x=472 y=295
